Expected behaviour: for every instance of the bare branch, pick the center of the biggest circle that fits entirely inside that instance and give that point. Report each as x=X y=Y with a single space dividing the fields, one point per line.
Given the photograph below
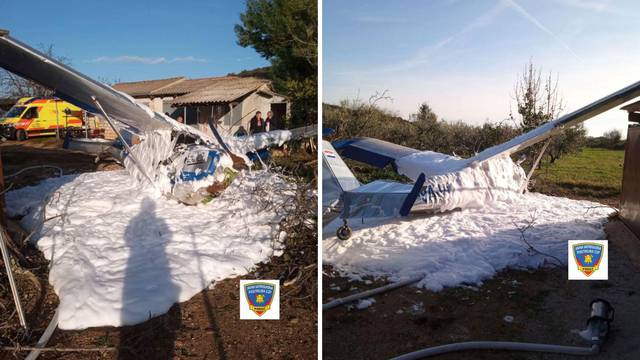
x=530 y=248
x=19 y=348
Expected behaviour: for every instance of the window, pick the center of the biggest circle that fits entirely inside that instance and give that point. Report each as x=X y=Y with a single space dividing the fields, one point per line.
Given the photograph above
x=15 y=111
x=31 y=113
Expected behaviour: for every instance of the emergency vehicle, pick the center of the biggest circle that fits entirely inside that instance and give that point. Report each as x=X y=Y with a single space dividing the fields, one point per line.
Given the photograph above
x=31 y=117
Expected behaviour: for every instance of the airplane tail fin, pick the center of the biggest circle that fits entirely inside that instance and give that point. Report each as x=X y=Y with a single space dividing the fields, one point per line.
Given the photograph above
x=336 y=177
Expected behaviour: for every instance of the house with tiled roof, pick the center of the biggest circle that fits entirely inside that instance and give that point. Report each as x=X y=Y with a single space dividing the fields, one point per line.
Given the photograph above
x=231 y=101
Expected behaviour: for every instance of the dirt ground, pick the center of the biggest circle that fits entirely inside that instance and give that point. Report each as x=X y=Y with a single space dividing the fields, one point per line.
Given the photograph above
x=46 y=151
x=205 y=327
x=544 y=305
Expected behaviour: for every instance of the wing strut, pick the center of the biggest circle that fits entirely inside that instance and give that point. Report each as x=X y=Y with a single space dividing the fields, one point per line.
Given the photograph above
x=238 y=162
x=535 y=164
x=124 y=143
x=413 y=195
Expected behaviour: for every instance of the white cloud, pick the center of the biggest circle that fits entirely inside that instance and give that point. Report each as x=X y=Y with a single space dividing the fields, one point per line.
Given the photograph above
x=145 y=60
x=598 y=6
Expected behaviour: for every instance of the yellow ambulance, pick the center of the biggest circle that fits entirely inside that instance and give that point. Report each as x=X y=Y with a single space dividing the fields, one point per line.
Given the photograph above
x=31 y=117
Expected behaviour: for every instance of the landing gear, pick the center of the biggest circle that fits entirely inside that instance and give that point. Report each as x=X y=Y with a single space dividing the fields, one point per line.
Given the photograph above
x=344 y=231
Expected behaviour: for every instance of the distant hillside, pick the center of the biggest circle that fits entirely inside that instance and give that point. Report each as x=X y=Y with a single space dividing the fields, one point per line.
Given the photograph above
x=356 y=118
x=388 y=116
x=360 y=119
x=260 y=73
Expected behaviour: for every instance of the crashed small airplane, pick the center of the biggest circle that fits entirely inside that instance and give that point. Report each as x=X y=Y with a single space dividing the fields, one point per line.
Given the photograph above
x=175 y=158
x=441 y=182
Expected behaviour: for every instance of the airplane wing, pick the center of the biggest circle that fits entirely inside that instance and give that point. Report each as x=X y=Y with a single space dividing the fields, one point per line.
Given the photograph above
x=73 y=86
x=556 y=126
x=411 y=162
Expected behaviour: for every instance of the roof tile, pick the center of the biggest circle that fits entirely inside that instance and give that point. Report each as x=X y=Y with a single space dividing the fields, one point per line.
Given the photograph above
x=145 y=88
x=223 y=90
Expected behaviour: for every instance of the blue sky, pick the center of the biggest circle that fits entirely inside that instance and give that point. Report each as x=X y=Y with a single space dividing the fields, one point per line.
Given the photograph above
x=463 y=57
x=135 y=40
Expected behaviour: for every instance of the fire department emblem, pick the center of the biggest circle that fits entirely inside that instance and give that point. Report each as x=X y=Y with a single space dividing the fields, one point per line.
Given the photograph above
x=259 y=296
x=588 y=256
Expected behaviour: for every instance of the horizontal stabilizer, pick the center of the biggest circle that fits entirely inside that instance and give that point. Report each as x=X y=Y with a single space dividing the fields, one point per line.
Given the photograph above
x=381 y=199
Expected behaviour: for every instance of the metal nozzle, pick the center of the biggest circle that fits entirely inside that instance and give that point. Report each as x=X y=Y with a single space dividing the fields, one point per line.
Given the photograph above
x=601 y=316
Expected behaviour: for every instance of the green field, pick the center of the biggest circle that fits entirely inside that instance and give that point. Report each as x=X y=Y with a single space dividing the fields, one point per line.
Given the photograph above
x=593 y=173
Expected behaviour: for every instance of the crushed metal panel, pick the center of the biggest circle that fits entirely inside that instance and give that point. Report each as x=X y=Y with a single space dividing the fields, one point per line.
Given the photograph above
x=630 y=199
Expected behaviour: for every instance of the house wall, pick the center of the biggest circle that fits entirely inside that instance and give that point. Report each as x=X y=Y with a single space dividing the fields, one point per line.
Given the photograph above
x=229 y=116
x=167 y=107
x=242 y=112
x=157 y=104
x=97 y=122
x=205 y=112
x=630 y=198
x=144 y=101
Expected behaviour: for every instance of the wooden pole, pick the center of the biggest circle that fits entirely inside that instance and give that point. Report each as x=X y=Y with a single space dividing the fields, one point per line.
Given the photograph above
x=12 y=283
x=44 y=339
x=3 y=219
x=57 y=120
x=5 y=252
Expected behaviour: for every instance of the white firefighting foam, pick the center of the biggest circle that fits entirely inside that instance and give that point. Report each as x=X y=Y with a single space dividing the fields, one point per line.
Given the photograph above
x=120 y=254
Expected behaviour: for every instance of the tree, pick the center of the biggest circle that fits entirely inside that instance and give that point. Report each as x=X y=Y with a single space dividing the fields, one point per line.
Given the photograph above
x=285 y=32
x=427 y=128
x=425 y=115
x=612 y=138
x=109 y=81
x=537 y=103
x=569 y=141
x=14 y=86
x=353 y=118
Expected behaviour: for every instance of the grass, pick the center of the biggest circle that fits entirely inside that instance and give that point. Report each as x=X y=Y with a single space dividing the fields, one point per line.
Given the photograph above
x=593 y=173
x=367 y=173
